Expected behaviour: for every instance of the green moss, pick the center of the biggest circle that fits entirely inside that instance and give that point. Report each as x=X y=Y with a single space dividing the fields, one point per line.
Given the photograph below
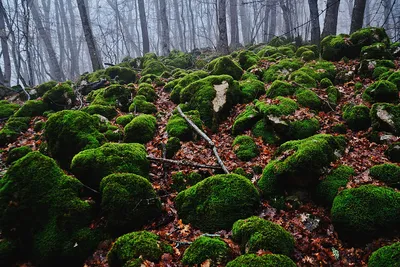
x=327 y=189
x=217 y=202
x=91 y=165
x=7 y=109
x=308 y=98
x=178 y=181
x=335 y=48
x=301 y=50
x=13 y=128
x=245 y=148
x=339 y=128
x=385 y=117
x=173 y=145
x=375 y=51
x=381 y=91
x=206 y=248
x=301 y=129
x=242 y=172
x=106 y=111
x=32 y=108
x=114 y=95
x=44 y=87
x=303 y=79
x=393 y=152
x=114 y=135
x=319 y=70
x=378 y=72
x=280 y=88
x=225 y=66
x=357 y=117
x=141 y=105
x=395 y=79
x=388 y=173
x=154 y=67
x=302 y=164
x=141 y=129
x=325 y=83
x=286 y=50
x=247 y=59
x=124 y=119
x=59 y=97
x=267 y=51
x=386 y=256
x=308 y=56
x=245 y=120
x=179 y=59
x=148 y=91
x=131 y=246
x=17 y=153
x=178 y=127
x=123 y=202
x=368 y=36
x=179 y=84
x=281 y=69
x=121 y=74
x=284 y=106
x=269 y=260
x=364 y=212
x=267 y=133
x=68 y=132
x=251 y=89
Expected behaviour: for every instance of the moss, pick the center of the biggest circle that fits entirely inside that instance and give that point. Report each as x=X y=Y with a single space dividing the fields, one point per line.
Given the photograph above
x=280 y=88
x=225 y=66
x=393 y=152
x=357 y=117
x=381 y=91
x=106 y=111
x=395 y=79
x=251 y=89
x=242 y=172
x=375 y=51
x=114 y=95
x=131 y=246
x=206 y=248
x=59 y=97
x=68 y=132
x=369 y=36
x=17 y=153
x=325 y=83
x=123 y=202
x=267 y=51
x=335 y=48
x=13 y=128
x=114 y=135
x=284 y=106
x=301 y=129
x=178 y=127
x=39 y=126
x=32 y=108
x=286 y=50
x=386 y=256
x=91 y=165
x=124 y=119
x=178 y=181
x=308 y=98
x=269 y=260
x=281 y=69
x=301 y=50
x=308 y=56
x=179 y=59
x=378 y=72
x=303 y=79
x=254 y=234
x=148 y=91
x=141 y=129
x=245 y=148
x=247 y=59
x=217 y=202
x=365 y=212
x=388 y=173
x=385 y=117
x=44 y=87
x=319 y=70
x=7 y=109
x=339 y=128
x=121 y=74
x=140 y=104
x=154 y=67
x=333 y=97
x=267 y=133
x=194 y=178
x=302 y=164
x=172 y=147
x=245 y=120
x=179 y=84
x=328 y=188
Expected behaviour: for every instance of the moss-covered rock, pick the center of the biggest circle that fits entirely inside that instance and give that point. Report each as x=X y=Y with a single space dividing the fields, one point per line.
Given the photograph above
x=178 y=127
x=247 y=59
x=251 y=89
x=17 y=153
x=68 y=132
x=225 y=66
x=388 y=173
x=32 y=108
x=357 y=117
x=281 y=69
x=302 y=78
x=7 y=109
x=269 y=260
x=336 y=47
x=13 y=128
x=173 y=145
x=299 y=129
x=308 y=98
x=266 y=132
x=328 y=188
x=246 y=120
x=245 y=148
x=132 y=246
x=106 y=111
x=381 y=91
x=59 y=97
x=280 y=88
x=376 y=51
x=302 y=164
x=179 y=59
x=123 y=202
x=368 y=36
x=308 y=56
x=367 y=67
x=153 y=66
x=385 y=117
x=177 y=85
x=121 y=74
x=140 y=104
x=114 y=95
x=282 y=106
x=44 y=87
x=148 y=91
x=206 y=248
x=255 y=233
x=319 y=70
x=217 y=202
x=325 y=83
x=92 y=165
x=393 y=152
x=141 y=129
x=395 y=79
x=124 y=119
x=364 y=212
x=386 y=256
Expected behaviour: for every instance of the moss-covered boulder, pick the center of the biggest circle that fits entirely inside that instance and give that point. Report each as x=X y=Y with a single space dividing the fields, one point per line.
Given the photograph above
x=179 y=59
x=308 y=56
x=225 y=66
x=325 y=83
x=251 y=89
x=381 y=91
x=395 y=79
x=255 y=233
x=44 y=87
x=69 y=132
x=124 y=119
x=217 y=202
x=368 y=67
x=178 y=127
x=308 y=98
x=303 y=79
x=299 y=129
x=328 y=188
x=357 y=117
x=269 y=260
x=319 y=70
x=246 y=120
x=141 y=129
x=59 y=97
x=134 y=248
x=299 y=163
x=92 y=165
x=32 y=108
x=114 y=95
x=281 y=69
x=13 y=128
x=336 y=47
x=148 y=91
x=388 y=173
x=385 y=117
x=17 y=153
x=281 y=106
x=121 y=74
x=386 y=256
x=172 y=147
x=266 y=132
x=376 y=51
x=247 y=59
x=368 y=36
x=177 y=85
x=140 y=104
x=153 y=66
x=7 y=109
x=206 y=248
x=364 y=212
x=128 y=201
x=393 y=152
x=280 y=88
x=245 y=148
x=106 y=111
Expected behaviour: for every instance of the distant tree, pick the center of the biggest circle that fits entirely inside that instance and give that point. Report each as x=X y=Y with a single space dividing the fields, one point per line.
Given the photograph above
x=5 y=76
x=143 y=24
x=358 y=15
x=234 y=23
x=222 y=46
x=315 y=29
x=272 y=25
x=331 y=18
x=165 y=41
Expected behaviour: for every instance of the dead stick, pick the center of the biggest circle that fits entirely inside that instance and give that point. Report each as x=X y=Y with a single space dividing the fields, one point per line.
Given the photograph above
x=184 y=162
x=202 y=134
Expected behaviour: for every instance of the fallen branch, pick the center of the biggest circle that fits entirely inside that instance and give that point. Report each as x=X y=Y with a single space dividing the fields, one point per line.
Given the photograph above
x=183 y=162
x=202 y=134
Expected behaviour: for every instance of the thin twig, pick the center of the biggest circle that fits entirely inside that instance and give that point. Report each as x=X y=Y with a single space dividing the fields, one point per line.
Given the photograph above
x=184 y=162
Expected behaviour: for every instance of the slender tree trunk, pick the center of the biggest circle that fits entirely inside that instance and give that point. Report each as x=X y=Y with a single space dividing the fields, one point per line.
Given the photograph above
x=143 y=25
x=315 y=29
x=331 y=18
x=245 y=23
x=223 y=34
x=272 y=25
x=358 y=15
x=4 y=47
x=178 y=24
x=286 y=18
x=266 y=21
x=234 y=23
x=95 y=56
x=165 y=41
x=75 y=69
x=60 y=34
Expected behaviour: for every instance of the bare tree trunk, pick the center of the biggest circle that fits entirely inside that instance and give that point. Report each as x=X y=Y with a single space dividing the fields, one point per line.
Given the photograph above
x=234 y=24
x=331 y=18
x=245 y=23
x=272 y=25
x=286 y=18
x=165 y=42
x=60 y=34
x=178 y=24
x=223 y=34
x=74 y=46
x=55 y=68
x=4 y=47
x=358 y=15
x=266 y=21
x=95 y=56
x=143 y=25
x=315 y=29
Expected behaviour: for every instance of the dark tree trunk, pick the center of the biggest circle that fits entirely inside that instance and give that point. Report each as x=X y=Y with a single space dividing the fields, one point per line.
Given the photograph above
x=165 y=42
x=4 y=47
x=358 y=15
x=143 y=25
x=272 y=25
x=234 y=24
x=315 y=29
x=223 y=35
x=331 y=18
x=266 y=21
